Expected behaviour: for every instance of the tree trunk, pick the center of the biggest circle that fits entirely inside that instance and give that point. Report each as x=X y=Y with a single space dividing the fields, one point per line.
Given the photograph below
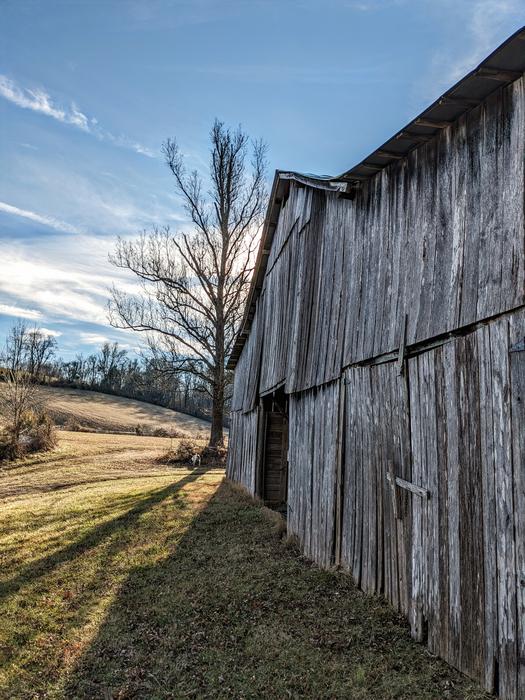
x=217 y=417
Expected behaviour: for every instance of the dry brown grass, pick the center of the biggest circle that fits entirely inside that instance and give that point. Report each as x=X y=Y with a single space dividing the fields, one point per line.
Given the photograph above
x=104 y=413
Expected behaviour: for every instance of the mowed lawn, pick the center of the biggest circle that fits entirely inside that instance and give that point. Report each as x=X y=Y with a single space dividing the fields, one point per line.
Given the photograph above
x=121 y=577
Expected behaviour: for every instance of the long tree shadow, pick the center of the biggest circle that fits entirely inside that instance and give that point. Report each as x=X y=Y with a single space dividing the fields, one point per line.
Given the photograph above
x=232 y=611
x=92 y=538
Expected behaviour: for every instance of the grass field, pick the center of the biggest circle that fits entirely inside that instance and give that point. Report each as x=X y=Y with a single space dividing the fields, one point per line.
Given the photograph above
x=123 y=578
x=105 y=413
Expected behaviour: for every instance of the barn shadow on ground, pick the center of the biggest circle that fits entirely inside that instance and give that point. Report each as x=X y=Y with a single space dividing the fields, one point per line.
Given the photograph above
x=233 y=611
x=94 y=537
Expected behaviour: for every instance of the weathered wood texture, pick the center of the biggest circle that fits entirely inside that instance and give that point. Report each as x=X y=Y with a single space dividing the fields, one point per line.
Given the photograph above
x=434 y=244
x=312 y=453
x=242 y=450
x=467 y=412
x=376 y=535
x=454 y=562
x=246 y=380
x=437 y=237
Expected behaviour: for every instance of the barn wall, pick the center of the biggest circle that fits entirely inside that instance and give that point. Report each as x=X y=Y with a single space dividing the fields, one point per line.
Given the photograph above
x=455 y=561
x=313 y=426
x=246 y=379
x=436 y=238
x=451 y=554
x=410 y=475
x=242 y=449
x=467 y=404
x=439 y=236
x=376 y=538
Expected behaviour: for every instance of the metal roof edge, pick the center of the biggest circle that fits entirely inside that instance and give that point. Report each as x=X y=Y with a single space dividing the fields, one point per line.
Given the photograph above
x=503 y=66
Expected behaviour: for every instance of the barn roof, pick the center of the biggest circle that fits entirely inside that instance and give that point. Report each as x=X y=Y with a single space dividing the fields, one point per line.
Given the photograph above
x=501 y=67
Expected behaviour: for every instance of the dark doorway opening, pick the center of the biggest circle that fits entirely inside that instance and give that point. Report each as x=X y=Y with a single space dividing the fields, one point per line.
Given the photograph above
x=273 y=481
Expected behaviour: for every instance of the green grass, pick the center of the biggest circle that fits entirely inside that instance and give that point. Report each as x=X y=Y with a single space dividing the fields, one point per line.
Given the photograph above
x=132 y=580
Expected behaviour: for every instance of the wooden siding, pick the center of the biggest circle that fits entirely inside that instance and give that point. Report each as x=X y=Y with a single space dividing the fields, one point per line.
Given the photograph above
x=376 y=538
x=445 y=544
x=467 y=411
x=312 y=457
x=437 y=238
x=242 y=450
x=409 y=474
x=246 y=380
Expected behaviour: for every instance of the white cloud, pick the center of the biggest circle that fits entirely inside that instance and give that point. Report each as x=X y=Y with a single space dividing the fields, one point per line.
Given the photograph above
x=19 y=312
x=101 y=203
x=93 y=338
x=39 y=218
x=38 y=100
x=58 y=288
x=51 y=332
x=64 y=279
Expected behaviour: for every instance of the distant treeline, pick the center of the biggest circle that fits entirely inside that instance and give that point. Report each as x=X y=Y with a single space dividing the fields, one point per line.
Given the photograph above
x=110 y=370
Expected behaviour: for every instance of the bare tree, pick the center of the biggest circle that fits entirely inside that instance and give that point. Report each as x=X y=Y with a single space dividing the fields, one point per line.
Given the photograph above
x=20 y=396
x=110 y=361
x=28 y=349
x=39 y=351
x=194 y=284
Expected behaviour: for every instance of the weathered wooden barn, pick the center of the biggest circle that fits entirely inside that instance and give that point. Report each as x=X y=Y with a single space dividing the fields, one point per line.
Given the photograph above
x=379 y=395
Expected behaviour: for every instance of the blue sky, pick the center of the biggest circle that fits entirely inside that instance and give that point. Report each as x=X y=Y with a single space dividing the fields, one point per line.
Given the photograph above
x=89 y=90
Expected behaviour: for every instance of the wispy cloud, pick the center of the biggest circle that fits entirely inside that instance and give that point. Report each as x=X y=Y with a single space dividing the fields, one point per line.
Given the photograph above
x=38 y=100
x=39 y=218
x=93 y=338
x=51 y=332
x=484 y=24
x=19 y=312
x=54 y=284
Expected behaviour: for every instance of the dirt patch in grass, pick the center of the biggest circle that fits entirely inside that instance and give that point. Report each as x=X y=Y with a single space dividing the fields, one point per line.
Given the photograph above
x=173 y=585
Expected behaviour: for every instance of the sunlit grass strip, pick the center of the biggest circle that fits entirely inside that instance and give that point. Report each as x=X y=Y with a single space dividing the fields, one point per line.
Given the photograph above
x=64 y=560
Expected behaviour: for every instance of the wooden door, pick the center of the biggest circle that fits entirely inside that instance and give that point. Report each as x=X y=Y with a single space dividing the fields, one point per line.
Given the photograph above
x=467 y=414
x=275 y=472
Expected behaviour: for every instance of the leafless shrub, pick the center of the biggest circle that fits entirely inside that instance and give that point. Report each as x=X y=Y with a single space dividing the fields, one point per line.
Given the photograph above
x=182 y=452
x=25 y=424
x=33 y=432
x=43 y=433
x=215 y=456
x=160 y=432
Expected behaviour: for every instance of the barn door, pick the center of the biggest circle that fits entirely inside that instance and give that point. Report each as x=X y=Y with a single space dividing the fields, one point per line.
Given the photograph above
x=375 y=542
x=275 y=455
x=467 y=412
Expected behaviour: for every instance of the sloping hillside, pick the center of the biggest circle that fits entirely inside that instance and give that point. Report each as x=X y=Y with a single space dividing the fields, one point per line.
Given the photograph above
x=104 y=413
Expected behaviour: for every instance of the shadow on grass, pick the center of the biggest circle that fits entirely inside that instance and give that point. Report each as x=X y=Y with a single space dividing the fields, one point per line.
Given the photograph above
x=92 y=538
x=232 y=611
